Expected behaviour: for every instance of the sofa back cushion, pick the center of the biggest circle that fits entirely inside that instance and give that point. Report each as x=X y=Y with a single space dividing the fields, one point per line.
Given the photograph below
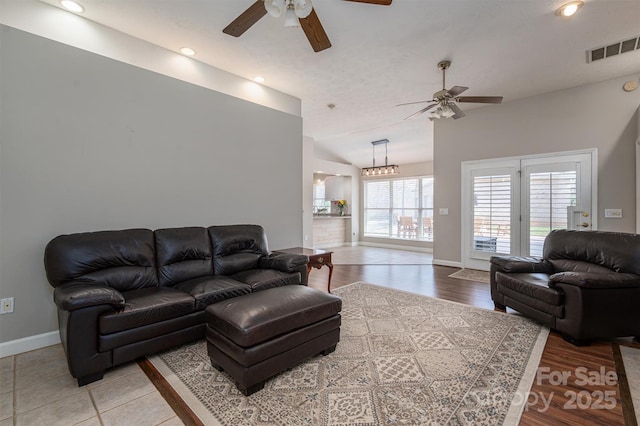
x=124 y=260
x=593 y=251
x=237 y=248
x=182 y=254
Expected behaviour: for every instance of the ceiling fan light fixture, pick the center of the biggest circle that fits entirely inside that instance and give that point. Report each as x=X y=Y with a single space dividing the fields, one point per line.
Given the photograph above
x=303 y=8
x=569 y=9
x=290 y=18
x=446 y=111
x=275 y=7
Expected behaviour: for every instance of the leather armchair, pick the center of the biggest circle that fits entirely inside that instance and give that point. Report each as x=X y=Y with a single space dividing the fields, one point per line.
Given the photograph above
x=586 y=285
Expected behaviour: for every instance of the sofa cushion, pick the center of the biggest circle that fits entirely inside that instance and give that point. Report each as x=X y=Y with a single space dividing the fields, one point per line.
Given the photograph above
x=124 y=260
x=262 y=279
x=182 y=254
x=567 y=265
x=212 y=289
x=532 y=285
x=147 y=306
x=237 y=247
x=617 y=251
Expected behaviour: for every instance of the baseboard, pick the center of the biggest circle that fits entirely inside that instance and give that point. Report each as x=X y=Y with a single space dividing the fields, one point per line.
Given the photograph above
x=30 y=343
x=397 y=247
x=447 y=263
x=331 y=245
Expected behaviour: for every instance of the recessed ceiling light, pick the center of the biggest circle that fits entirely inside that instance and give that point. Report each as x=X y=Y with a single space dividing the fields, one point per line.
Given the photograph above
x=187 y=51
x=72 y=6
x=258 y=79
x=569 y=9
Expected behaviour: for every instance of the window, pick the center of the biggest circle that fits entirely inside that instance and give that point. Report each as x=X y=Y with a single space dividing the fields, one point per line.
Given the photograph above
x=550 y=193
x=320 y=205
x=492 y=212
x=399 y=208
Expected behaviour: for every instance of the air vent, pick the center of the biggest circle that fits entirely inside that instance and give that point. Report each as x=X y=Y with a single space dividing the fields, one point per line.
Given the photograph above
x=613 y=49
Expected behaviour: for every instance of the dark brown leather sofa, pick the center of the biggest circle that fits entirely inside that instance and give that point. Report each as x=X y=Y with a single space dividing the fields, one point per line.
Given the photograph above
x=586 y=286
x=125 y=294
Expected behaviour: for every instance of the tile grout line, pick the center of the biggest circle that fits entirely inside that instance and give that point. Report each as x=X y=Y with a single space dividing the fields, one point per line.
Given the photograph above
x=95 y=407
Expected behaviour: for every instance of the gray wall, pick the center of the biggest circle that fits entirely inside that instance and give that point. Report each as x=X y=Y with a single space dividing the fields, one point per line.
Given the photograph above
x=89 y=143
x=599 y=115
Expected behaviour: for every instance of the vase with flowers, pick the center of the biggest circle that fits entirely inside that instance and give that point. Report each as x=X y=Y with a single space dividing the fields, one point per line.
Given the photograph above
x=342 y=204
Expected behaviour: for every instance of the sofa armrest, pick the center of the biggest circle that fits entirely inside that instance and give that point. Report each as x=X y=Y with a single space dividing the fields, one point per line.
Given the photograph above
x=285 y=262
x=76 y=295
x=595 y=280
x=517 y=264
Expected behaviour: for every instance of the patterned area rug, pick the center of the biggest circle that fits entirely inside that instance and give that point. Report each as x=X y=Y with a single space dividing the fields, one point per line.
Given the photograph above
x=402 y=359
x=471 y=275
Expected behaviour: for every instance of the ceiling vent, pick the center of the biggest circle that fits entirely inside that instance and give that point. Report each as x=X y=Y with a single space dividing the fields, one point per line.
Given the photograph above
x=613 y=49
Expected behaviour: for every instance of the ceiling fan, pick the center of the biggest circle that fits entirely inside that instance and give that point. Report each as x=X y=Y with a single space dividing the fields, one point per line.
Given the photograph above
x=295 y=11
x=445 y=99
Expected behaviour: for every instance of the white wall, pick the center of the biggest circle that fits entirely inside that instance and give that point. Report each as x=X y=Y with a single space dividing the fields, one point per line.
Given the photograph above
x=600 y=116
x=90 y=143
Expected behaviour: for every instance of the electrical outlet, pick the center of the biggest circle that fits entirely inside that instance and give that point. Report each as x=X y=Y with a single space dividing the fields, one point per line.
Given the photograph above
x=6 y=305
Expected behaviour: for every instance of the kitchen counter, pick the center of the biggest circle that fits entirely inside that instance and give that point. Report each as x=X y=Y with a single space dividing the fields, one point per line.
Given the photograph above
x=330 y=229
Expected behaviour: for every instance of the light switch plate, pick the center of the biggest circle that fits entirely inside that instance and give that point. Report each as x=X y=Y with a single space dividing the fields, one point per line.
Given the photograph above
x=613 y=213
x=444 y=211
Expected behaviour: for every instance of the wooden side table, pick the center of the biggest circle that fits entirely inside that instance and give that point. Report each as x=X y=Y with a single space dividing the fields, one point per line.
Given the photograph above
x=317 y=259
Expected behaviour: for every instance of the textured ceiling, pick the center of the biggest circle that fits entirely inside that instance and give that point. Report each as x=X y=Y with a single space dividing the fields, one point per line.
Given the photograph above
x=386 y=55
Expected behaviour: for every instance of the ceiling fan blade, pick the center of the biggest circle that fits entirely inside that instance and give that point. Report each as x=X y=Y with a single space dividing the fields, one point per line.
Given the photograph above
x=380 y=2
x=458 y=111
x=456 y=90
x=315 y=32
x=246 y=19
x=421 y=111
x=413 y=103
x=480 y=99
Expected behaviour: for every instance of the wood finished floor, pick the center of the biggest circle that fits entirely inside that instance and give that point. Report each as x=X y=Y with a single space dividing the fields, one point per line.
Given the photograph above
x=558 y=356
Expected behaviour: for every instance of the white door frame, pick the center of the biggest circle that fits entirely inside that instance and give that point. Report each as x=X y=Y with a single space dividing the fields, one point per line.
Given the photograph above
x=466 y=194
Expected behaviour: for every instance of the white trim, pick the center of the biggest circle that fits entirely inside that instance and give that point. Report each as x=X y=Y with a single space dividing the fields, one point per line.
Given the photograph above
x=447 y=263
x=331 y=245
x=30 y=343
x=397 y=247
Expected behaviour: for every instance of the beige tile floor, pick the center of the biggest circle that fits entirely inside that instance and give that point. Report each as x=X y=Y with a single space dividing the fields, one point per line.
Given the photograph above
x=36 y=389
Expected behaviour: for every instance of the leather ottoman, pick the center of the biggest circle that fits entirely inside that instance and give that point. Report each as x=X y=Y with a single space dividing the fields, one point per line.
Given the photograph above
x=258 y=335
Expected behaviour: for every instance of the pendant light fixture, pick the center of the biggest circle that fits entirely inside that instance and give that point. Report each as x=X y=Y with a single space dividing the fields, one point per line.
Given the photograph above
x=380 y=170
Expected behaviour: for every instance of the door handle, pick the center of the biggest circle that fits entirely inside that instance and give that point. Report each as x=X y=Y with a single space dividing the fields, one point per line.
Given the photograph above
x=584 y=224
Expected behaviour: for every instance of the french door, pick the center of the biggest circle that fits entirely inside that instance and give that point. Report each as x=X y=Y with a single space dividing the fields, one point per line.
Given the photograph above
x=510 y=205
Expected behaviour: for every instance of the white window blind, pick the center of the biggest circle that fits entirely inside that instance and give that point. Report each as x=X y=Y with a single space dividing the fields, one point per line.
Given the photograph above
x=399 y=208
x=549 y=195
x=492 y=213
